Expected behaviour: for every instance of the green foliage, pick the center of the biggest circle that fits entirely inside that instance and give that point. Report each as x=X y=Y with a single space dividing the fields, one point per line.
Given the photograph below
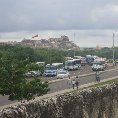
x=35 y=87
x=11 y=77
x=50 y=55
x=13 y=66
x=32 y=66
x=57 y=55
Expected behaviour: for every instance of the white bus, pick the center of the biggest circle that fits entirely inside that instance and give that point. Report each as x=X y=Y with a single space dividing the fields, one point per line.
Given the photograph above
x=58 y=66
x=73 y=64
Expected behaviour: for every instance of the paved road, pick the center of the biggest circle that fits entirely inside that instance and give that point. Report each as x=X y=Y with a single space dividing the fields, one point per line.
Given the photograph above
x=61 y=85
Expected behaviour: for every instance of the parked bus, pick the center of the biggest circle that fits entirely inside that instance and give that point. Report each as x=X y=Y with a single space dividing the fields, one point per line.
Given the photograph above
x=58 y=66
x=83 y=60
x=72 y=64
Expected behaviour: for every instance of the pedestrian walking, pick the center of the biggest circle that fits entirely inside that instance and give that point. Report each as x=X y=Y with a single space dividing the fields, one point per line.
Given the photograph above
x=73 y=83
x=97 y=76
x=77 y=83
x=69 y=76
x=69 y=82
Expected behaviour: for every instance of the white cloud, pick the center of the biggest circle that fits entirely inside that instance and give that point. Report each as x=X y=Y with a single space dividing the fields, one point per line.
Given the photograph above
x=105 y=17
x=53 y=18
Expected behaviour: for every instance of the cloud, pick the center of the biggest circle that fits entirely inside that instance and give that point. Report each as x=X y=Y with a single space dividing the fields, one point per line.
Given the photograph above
x=105 y=17
x=29 y=15
x=93 y=21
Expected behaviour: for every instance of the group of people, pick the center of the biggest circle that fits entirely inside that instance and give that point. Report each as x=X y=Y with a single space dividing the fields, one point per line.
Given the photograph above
x=73 y=82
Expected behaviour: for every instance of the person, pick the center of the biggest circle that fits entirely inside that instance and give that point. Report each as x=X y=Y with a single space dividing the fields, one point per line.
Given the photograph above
x=77 y=83
x=69 y=82
x=73 y=83
x=97 y=76
x=114 y=63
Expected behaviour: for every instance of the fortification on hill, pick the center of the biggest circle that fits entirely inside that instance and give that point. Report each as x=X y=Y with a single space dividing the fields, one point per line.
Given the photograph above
x=60 y=43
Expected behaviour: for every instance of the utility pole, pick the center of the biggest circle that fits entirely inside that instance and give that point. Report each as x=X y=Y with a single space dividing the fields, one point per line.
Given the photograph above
x=113 y=48
x=74 y=41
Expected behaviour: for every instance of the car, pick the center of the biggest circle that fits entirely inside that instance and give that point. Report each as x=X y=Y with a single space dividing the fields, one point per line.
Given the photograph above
x=97 y=67
x=35 y=73
x=62 y=74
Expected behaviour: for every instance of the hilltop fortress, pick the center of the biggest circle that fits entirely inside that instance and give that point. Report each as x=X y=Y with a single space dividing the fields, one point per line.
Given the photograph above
x=61 y=43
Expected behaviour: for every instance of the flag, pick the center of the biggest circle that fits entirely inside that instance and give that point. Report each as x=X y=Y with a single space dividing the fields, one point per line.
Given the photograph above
x=35 y=36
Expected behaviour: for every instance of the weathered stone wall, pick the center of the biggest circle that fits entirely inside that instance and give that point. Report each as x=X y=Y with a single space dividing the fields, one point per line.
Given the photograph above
x=89 y=103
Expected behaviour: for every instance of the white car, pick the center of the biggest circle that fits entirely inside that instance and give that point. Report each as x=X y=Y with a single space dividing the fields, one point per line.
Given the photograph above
x=62 y=74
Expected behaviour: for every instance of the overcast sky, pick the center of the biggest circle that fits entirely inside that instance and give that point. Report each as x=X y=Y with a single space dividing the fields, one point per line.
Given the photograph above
x=92 y=21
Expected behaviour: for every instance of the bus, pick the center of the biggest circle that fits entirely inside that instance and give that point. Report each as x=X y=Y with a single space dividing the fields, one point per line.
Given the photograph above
x=83 y=60
x=58 y=66
x=73 y=64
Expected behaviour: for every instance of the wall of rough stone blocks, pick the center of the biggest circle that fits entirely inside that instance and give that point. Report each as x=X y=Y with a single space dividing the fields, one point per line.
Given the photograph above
x=88 y=103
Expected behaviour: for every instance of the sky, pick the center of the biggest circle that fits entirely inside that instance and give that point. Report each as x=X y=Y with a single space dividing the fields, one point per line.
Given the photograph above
x=92 y=21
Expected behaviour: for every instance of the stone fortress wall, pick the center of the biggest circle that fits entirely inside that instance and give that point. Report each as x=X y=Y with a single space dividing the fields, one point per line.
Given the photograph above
x=88 y=103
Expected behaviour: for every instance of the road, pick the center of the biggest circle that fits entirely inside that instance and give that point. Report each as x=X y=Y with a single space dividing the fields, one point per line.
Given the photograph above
x=83 y=70
x=61 y=85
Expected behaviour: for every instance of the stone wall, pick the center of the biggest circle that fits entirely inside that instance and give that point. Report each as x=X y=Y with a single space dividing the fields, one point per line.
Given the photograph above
x=88 y=103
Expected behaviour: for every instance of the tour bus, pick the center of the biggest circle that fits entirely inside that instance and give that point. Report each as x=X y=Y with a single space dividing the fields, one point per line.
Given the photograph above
x=58 y=66
x=72 y=64
x=83 y=60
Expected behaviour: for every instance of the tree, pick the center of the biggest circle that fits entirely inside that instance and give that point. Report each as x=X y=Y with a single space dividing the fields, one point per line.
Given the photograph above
x=13 y=82
x=35 y=87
